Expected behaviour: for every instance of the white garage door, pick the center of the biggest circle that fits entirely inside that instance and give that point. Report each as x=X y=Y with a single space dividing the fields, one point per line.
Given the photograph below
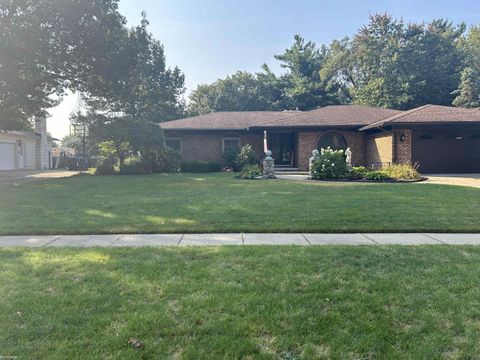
x=7 y=156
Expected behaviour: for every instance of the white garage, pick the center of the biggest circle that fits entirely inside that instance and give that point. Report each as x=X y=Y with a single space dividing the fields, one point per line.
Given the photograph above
x=7 y=156
x=26 y=149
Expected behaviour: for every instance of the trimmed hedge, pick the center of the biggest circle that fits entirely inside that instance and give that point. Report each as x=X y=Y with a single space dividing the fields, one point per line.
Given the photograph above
x=200 y=166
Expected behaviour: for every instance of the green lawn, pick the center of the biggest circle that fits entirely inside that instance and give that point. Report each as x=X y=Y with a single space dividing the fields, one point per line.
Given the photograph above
x=219 y=203
x=241 y=303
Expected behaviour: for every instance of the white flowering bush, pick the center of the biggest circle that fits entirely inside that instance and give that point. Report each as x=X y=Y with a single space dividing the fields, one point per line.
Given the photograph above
x=330 y=164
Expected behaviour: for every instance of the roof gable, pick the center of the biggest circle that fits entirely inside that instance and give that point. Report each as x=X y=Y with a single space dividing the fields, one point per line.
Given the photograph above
x=430 y=114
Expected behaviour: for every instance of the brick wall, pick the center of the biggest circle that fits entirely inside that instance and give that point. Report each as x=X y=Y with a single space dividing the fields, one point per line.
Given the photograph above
x=379 y=149
x=307 y=142
x=209 y=146
x=402 y=149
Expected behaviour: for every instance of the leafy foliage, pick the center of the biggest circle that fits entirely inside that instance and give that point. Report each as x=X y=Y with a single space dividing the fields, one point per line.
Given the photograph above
x=238 y=159
x=246 y=156
x=387 y=63
x=468 y=93
x=402 y=172
x=250 y=172
x=357 y=173
x=133 y=166
x=330 y=164
x=47 y=46
x=377 y=175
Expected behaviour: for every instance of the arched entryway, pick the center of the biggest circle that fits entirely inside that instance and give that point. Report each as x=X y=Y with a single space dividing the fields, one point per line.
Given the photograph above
x=332 y=139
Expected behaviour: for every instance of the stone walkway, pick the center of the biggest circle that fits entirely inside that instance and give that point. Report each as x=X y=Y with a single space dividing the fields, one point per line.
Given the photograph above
x=237 y=239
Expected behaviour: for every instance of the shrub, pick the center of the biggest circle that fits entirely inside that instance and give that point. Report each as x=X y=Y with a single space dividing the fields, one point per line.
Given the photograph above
x=161 y=160
x=402 y=172
x=72 y=164
x=230 y=158
x=200 y=166
x=251 y=172
x=246 y=157
x=107 y=159
x=238 y=159
x=377 y=176
x=330 y=164
x=357 y=173
x=133 y=166
x=105 y=166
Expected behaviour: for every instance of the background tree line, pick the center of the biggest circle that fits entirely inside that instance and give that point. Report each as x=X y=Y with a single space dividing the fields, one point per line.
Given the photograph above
x=387 y=63
x=48 y=47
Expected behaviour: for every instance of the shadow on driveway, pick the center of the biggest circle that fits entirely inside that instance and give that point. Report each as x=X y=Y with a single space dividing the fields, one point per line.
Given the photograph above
x=10 y=176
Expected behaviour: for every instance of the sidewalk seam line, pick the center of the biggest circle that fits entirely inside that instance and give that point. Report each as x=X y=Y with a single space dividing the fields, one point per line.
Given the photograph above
x=243 y=240
x=431 y=237
x=181 y=238
x=48 y=243
x=116 y=240
x=306 y=239
x=374 y=242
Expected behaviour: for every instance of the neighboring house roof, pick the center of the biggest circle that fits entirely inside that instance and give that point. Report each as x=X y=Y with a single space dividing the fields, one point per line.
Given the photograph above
x=333 y=115
x=226 y=120
x=19 y=133
x=430 y=114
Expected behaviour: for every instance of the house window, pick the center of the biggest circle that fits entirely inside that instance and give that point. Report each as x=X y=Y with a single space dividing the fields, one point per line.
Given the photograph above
x=174 y=144
x=332 y=139
x=231 y=144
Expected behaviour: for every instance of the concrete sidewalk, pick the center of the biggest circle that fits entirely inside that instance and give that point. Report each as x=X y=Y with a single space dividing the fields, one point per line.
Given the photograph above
x=237 y=239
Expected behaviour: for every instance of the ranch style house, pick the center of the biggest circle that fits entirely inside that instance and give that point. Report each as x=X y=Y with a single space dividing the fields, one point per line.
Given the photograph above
x=440 y=139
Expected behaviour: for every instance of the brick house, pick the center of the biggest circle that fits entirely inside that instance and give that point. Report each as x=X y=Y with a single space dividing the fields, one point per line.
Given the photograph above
x=438 y=138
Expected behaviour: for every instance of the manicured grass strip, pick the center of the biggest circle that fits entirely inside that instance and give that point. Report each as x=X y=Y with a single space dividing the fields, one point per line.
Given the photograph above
x=218 y=203
x=249 y=303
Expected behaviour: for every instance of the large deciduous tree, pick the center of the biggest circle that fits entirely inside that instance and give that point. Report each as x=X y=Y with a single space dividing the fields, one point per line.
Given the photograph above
x=48 y=46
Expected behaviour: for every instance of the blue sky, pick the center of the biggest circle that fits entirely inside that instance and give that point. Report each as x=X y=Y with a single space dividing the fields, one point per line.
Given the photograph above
x=209 y=39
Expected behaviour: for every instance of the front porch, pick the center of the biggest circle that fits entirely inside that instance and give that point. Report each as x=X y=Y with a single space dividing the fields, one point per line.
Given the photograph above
x=292 y=149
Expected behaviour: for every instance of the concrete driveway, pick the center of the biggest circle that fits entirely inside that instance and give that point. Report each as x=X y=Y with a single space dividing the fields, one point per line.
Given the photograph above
x=12 y=176
x=472 y=180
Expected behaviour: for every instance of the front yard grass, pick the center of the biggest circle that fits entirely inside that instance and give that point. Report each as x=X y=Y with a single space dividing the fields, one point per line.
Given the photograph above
x=241 y=303
x=160 y=203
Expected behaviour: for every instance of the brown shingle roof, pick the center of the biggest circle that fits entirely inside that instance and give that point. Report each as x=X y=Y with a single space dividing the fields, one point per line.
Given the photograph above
x=333 y=115
x=430 y=114
x=226 y=120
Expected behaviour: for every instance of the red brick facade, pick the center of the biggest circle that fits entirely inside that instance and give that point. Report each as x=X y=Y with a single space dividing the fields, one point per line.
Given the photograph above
x=366 y=148
x=402 y=146
x=209 y=146
x=307 y=142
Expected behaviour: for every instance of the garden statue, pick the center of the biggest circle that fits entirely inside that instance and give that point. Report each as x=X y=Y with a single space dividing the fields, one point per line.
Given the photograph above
x=314 y=157
x=268 y=166
x=348 y=159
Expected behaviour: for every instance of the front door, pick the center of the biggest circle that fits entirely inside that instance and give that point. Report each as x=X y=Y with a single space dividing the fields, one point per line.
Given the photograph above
x=282 y=146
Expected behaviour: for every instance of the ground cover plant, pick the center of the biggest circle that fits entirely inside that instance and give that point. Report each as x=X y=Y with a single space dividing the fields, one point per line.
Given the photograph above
x=241 y=303
x=217 y=202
